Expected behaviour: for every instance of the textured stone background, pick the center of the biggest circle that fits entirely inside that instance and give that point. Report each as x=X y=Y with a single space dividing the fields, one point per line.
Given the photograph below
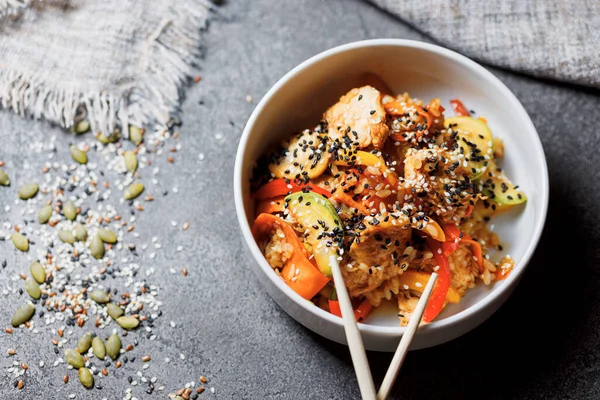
x=544 y=343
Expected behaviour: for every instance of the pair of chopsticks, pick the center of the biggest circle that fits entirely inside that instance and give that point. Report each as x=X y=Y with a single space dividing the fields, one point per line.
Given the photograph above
x=355 y=343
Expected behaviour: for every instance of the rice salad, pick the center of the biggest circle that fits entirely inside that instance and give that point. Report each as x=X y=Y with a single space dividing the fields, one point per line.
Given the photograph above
x=396 y=189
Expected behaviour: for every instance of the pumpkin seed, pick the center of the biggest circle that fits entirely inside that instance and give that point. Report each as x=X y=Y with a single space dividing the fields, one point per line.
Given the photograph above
x=38 y=272
x=44 y=214
x=78 y=155
x=86 y=378
x=114 y=310
x=33 y=288
x=20 y=241
x=132 y=191
x=97 y=247
x=108 y=139
x=84 y=343
x=66 y=236
x=69 y=210
x=22 y=315
x=28 y=191
x=113 y=346
x=73 y=358
x=128 y=322
x=5 y=180
x=107 y=236
x=100 y=297
x=131 y=162
x=99 y=348
x=135 y=135
x=81 y=127
x=80 y=233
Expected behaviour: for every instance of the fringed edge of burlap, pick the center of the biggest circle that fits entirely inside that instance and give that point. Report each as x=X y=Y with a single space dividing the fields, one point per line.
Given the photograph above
x=12 y=7
x=172 y=55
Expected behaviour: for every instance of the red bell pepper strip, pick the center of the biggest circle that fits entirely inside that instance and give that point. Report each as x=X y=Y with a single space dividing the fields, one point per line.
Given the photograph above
x=442 y=285
x=450 y=247
x=334 y=308
x=451 y=231
x=283 y=187
x=453 y=237
x=270 y=206
x=459 y=108
x=360 y=313
x=363 y=311
x=298 y=272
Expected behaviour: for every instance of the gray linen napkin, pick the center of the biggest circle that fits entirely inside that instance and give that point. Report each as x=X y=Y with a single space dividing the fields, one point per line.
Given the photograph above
x=556 y=39
x=124 y=60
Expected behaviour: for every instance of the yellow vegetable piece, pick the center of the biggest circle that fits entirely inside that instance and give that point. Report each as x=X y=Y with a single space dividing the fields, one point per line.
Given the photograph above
x=370 y=160
x=418 y=280
x=433 y=229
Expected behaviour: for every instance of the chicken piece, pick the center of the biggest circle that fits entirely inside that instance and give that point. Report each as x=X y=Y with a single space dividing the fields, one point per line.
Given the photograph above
x=303 y=157
x=436 y=179
x=376 y=252
x=463 y=269
x=377 y=243
x=358 y=118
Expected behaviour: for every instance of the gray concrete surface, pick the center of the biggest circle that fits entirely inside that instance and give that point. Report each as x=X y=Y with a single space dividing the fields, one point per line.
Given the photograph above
x=543 y=343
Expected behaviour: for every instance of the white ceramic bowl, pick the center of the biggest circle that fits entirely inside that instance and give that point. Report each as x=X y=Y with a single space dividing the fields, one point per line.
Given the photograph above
x=298 y=100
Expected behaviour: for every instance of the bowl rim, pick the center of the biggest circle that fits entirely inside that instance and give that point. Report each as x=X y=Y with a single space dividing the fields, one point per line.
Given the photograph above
x=391 y=331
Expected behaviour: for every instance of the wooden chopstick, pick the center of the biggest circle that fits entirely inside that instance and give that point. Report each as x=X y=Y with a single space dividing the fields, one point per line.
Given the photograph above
x=355 y=343
x=402 y=350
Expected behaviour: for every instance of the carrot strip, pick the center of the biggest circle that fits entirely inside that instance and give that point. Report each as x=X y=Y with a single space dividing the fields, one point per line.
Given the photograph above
x=477 y=252
x=394 y=108
x=346 y=199
x=500 y=276
x=459 y=108
x=299 y=272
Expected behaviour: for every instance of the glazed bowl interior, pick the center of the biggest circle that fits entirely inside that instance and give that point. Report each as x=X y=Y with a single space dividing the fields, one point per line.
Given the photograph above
x=299 y=99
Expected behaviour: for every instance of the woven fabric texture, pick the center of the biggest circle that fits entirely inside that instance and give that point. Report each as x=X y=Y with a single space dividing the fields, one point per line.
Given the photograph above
x=124 y=60
x=558 y=39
